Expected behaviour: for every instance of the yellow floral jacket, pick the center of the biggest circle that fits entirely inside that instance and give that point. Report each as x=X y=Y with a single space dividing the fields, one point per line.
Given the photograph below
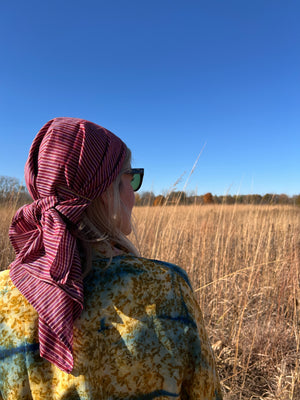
x=140 y=336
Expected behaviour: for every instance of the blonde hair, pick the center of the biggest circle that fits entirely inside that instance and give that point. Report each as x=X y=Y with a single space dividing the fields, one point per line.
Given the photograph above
x=99 y=230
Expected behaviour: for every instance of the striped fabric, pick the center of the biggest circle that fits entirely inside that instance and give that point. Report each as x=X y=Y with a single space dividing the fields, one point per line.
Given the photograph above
x=70 y=163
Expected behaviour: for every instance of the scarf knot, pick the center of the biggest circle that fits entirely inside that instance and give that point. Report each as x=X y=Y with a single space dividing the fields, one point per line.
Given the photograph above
x=40 y=206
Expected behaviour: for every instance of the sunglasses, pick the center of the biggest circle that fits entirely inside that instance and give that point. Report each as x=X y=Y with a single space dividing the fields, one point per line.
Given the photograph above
x=137 y=177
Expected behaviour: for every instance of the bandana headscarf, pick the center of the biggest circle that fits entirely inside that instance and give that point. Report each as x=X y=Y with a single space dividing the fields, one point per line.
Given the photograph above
x=71 y=162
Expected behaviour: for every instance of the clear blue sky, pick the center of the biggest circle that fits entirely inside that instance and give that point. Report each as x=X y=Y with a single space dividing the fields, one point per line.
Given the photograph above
x=169 y=77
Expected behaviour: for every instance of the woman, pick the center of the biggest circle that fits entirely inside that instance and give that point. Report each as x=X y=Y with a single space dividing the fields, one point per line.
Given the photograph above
x=83 y=316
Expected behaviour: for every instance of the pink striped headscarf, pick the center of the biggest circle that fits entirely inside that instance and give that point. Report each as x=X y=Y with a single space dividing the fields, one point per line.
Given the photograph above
x=71 y=162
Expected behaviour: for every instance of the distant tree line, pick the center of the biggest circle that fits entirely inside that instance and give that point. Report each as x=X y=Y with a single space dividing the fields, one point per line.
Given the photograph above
x=12 y=191
x=181 y=198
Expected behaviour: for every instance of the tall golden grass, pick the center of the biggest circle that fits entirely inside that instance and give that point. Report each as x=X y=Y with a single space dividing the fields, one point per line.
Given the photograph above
x=7 y=210
x=243 y=262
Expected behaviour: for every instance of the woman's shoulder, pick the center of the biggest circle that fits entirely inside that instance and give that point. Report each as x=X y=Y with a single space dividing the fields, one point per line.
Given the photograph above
x=5 y=282
x=153 y=265
x=132 y=263
x=139 y=276
x=11 y=299
x=9 y=294
x=15 y=311
x=136 y=284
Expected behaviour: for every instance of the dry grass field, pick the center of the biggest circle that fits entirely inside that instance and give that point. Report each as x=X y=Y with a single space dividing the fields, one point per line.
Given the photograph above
x=243 y=262
x=6 y=251
x=244 y=265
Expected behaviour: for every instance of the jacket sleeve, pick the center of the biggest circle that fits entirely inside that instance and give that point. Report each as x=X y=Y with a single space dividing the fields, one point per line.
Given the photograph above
x=201 y=380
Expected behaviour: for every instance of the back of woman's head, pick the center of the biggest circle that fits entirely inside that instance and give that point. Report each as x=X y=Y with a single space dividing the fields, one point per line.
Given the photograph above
x=71 y=165
x=73 y=158
x=99 y=230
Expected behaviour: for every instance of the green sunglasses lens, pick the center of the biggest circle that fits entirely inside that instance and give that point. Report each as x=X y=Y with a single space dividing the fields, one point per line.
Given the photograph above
x=135 y=183
x=137 y=178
